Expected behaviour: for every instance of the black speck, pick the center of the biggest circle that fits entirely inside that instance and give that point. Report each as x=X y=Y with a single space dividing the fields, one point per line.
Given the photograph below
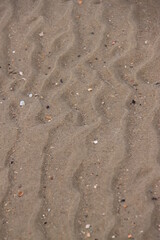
x=79 y=56
x=45 y=223
x=12 y=162
x=92 y=33
x=47 y=107
x=49 y=67
x=133 y=102
x=154 y=198
x=123 y=200
x=105 y=45
x=157 y=83
x=61 y=80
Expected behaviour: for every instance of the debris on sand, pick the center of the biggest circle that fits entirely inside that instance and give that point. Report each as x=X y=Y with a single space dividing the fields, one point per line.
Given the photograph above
x=48 y=118
x=22 y=103
x=80 y=2
x=130 y=236
x=88 y=226
x=41 y=34
x=20 y=194
x=90 y=89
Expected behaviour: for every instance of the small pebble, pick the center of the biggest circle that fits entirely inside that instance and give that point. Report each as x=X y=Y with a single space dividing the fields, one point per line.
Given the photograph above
x=88 y=226
x=21 y=73
x=30 y=95
x=41 y=34
x=90 y=89
x=22 y=103
x=48 y=118
x=130 y=236
x=88 y=235
x=146 y=42
x=95 y=141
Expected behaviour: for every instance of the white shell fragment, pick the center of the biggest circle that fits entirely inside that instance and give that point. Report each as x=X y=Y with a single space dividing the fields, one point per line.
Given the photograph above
x=21 y=73
x=41 y=34
x=95 y=141
x=22 y=103
x=88 y=226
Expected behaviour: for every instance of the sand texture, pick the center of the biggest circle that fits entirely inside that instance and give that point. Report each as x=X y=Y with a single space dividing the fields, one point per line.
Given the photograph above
x=79 y=119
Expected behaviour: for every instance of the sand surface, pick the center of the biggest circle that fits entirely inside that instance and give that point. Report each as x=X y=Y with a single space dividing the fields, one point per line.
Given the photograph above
x=79 y=119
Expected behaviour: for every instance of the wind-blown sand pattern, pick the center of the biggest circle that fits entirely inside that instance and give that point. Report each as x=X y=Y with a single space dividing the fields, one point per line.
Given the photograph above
x=80 y=160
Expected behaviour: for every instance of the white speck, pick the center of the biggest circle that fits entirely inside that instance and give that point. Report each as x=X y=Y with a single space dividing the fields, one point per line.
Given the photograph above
x=95 y=186
x=22 y=103
x=89 y=89
x=21 y=73
x=77 y=93
x=41 y=34
x=146 y=42
x=95 y=141
x=113 y=236
x=49 y=209
x=13 y=51
x=88 y=226
x=56 y=83
x=30 y=95
x=24 y=79
x=125 y=66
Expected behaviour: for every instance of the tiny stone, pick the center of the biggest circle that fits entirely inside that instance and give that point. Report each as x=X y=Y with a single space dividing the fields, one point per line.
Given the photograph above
x=146 y=42
x=89 y=89
x=113 y=236
x=88 y=226
x=13 y=51
x=88 y=235
x=95 y=141
x=30 y=95
x=22 y=103
x=21 y=73
x=41 y=34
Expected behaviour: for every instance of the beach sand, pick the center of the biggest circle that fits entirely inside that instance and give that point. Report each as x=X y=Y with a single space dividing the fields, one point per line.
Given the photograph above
x=79 y=119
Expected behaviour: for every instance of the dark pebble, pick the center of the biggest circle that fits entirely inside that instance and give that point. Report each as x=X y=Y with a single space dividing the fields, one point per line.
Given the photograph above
x=133 y=102
x=154 y=198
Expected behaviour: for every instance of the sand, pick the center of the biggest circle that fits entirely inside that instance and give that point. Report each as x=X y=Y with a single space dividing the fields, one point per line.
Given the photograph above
x=80 y=119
